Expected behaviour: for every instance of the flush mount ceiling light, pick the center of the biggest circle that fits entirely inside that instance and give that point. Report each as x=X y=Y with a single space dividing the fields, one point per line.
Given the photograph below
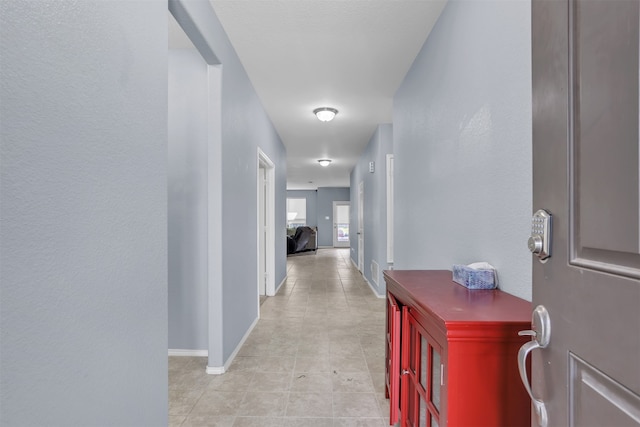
x=325 y=114
x=324 y=162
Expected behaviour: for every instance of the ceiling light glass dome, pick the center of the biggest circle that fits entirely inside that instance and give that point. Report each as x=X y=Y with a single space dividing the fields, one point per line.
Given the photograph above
x=325 y=114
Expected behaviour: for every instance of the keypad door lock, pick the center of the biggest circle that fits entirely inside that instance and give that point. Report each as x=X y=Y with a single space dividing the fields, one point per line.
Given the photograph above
x=540 y=241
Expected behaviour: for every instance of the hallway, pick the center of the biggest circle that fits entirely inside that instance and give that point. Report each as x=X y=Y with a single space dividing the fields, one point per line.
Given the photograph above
x=315 y=358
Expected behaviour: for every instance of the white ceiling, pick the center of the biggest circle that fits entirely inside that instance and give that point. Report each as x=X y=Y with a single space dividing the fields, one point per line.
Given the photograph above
x=347 y=54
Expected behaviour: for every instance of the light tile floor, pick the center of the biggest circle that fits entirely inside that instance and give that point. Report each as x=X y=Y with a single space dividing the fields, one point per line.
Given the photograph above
x=315 y=358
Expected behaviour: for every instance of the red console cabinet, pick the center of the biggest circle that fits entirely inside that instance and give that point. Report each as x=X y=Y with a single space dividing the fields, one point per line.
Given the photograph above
x=452 y=353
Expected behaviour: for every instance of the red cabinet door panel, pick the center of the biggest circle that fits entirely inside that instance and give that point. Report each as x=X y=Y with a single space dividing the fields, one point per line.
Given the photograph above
x=393 y=358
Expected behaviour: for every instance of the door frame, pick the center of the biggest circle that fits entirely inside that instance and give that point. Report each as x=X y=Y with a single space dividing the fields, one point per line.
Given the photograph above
x=269 y=213
x=390 y=201
x=337 y=244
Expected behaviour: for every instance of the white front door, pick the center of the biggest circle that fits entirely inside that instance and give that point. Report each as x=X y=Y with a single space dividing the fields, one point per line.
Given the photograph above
x=586 y=175
x=341 y=224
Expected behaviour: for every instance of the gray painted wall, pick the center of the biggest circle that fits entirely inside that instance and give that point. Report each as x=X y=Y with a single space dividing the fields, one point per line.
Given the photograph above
x=187 y=204
x=462 y=142
x=326 y=197
x=375 y=205
x=83 y=196
x=245 y=127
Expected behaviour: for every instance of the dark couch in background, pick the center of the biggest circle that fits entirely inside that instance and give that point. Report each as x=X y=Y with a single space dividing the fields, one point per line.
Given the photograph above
x=303 y=240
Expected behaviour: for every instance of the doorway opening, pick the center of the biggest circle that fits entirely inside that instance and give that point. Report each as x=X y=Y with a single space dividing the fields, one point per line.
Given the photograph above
x=195 y=193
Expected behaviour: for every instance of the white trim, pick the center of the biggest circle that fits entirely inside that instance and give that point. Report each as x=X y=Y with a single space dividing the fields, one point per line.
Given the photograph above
x=326 y=247
x=281 y=283
x=192 y=353
x=262 y=231
x=218 y=370
x=270 y=245
x=212 y=370
x=375 y=292
x=336 y=243
x=354 y=263
x=361 y=227
x=390 y=198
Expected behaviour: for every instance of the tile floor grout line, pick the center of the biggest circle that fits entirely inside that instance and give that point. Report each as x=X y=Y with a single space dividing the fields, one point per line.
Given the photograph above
x=301 y=306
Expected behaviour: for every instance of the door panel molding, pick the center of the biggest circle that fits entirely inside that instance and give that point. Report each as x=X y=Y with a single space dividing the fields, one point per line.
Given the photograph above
x=604 y=188
x=588 y=384
x=613 y=267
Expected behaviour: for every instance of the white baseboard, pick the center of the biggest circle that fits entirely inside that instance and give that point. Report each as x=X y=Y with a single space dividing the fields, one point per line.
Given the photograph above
x=281 y=283
x=325 y=247
x=192 y=353
x=214 y=370
x=375 y=292
x=218 y=370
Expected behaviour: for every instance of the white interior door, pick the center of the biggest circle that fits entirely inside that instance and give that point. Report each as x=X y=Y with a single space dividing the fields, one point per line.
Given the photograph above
x=265 y=215
x=361 y=227
x=390 y=211
x=341 y=224
x=586 y=175
x=262 y=229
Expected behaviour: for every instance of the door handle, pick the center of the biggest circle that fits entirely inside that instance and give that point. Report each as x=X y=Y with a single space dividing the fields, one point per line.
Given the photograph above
x=538 y=405
x=541 y=337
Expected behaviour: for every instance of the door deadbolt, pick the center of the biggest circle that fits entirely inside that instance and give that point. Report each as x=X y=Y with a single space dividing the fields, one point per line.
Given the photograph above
x=539 y=242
